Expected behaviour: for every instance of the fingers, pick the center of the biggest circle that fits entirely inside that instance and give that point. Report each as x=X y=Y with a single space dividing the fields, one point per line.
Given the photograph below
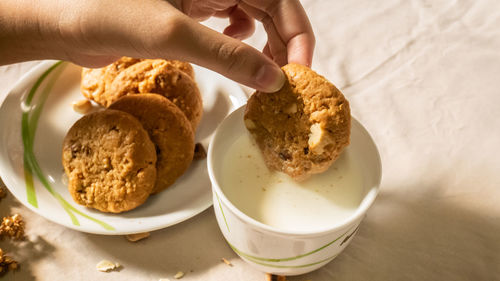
x=241 y=25
x=291 y=24
x=232 y=58
x=266 y=51
x=277 y=47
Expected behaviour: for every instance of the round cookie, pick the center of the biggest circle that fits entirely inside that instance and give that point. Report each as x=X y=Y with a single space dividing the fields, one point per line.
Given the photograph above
x=302 y=128
x=183 y=66
x=95 y=81
x=110 y=161
x=160 y=77
x=169 y=130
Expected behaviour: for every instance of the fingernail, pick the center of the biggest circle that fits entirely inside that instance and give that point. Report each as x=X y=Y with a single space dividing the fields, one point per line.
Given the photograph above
x=270 y=78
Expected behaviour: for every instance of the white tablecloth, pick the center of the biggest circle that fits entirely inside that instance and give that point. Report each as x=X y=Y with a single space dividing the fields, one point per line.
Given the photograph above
x=424 y=78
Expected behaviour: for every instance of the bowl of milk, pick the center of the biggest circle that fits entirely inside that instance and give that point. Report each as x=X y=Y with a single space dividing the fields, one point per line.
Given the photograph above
x=281 y=226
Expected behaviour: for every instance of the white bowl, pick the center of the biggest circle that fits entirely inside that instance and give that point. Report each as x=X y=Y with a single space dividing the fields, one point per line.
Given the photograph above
x=279 y=251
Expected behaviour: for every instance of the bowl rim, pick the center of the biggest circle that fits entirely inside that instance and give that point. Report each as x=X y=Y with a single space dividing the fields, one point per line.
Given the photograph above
x=361 y=210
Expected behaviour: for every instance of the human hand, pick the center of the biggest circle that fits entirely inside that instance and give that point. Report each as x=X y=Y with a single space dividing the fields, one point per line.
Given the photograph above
x=97 y=32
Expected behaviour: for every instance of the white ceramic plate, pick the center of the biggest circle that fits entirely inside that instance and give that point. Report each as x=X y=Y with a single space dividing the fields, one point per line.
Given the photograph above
x=34 y=119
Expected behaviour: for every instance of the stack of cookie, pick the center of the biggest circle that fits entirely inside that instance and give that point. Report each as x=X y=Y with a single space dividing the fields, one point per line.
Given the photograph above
x=142 y=143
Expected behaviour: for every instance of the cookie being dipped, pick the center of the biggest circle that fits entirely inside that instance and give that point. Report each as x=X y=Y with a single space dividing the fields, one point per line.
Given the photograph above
x=168 y=128
x=302 y=128
x=110 y=161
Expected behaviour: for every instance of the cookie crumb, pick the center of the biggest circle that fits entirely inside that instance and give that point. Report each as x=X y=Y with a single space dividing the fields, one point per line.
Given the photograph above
x=106 y=266
x=226 y=262
x=3 y=191
x=272 y=277
x=82 y=106
x=199 y=152
x=7 y=263
x=13 y=226
x=137 y=236
x=179 y=275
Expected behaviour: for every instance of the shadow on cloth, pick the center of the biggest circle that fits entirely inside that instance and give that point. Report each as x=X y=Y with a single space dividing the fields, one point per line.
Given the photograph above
x=405 y=239
x=181 y=248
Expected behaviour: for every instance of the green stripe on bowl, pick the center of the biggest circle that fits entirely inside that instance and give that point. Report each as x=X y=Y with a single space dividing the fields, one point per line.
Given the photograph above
x=255 y=258
x=292 y=266
x=222 y=211
x=29 y=123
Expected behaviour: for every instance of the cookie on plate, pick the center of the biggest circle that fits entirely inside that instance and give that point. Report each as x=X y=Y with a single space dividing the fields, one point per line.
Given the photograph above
x=95 y=81
x=110 y=161
x=169 y=130
x=160 y=77
x=183 y=66
x=302 y=128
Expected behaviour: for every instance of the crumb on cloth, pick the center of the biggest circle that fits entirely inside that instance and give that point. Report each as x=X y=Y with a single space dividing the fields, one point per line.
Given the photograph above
x=7 y=263
x=107 y=266
x=272 y=277
x=224 y=260
x=137 y=236
x=13 y=227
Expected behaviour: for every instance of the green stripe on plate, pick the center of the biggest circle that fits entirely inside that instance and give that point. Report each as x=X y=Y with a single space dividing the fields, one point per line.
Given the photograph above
x=29 y=123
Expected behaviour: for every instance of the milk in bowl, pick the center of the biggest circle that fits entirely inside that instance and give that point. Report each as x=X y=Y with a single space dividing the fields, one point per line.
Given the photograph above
x=275 y=199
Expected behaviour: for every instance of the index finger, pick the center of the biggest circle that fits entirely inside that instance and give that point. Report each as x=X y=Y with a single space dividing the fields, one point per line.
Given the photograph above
x=293 y=26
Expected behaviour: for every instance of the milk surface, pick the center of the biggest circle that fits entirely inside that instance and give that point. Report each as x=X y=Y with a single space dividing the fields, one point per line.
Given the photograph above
x=273 y=198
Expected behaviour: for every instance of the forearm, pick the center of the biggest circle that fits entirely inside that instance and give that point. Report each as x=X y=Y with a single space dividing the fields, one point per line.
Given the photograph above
x=26 y=31
x=94 y=33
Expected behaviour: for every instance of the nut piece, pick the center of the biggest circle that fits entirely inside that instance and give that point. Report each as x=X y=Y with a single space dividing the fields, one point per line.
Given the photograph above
x=137 y=236
x=179 y=275
x=250 y=124
x=199 y=152
x=106 y=266
x=317 y=139
x=292 y=108
x=272 y=277
x=82 y=106
x=13 y=227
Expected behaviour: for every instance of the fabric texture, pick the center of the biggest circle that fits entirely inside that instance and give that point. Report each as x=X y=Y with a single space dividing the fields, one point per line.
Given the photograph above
x=424 y=78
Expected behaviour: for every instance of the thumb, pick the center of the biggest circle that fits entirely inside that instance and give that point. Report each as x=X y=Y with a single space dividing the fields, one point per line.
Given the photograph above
x=230 y=57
